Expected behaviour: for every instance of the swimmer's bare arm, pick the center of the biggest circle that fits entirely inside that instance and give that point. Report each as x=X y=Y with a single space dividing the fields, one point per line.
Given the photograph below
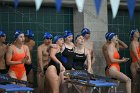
x=110 y=50
x=53 y=46
x=27 y=57
x=93 y=56
x=88 y=61
x=31 y=46
x=63 y=47
x=53 y=57
x=92 y=53
x=39 y=56
x=9 y=57
x=122 y=44
x=104 y=48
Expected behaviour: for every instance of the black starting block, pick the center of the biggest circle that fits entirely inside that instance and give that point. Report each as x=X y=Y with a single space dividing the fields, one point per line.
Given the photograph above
x=5 y=78
x=6 y=86
x=14 y=88
x=83 y=78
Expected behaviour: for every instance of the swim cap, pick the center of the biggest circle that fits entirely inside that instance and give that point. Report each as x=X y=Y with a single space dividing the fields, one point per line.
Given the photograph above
x=110 y=36
x=67 y=33
x=107 y=35
x=2 y=34
x=132 y=32
x=29 y=34
x=47 y=35
x=85 y=31
x=17 y=33
x=56 y=38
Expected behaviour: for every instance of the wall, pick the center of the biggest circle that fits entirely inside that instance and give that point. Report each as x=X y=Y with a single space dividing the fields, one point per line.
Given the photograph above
x=98 y=27
x=97 y=24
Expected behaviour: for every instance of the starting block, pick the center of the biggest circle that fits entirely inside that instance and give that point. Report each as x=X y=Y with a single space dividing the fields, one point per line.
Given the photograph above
x=94 y=82
x=14 y=88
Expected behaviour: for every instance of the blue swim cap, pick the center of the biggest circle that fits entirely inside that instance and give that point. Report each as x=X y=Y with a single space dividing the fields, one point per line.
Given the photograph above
x=29 y=34
x=107 y=35
x=85 y=31
x=17 y=33
x=47 y=35
x=2 y=34
x=56 y=38
x=110 y=36
x=132 y=32
x=67 y=33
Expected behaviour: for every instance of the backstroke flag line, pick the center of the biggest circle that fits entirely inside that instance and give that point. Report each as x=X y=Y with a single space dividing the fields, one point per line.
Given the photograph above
x=80 y=5
x=58 y=5
x=131 y=7
x=38 y=4
x=16 y=2
x=114 y=6
x=98 y=5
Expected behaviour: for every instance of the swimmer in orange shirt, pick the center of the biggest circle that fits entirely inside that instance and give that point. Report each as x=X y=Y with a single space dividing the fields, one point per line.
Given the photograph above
x=120 y=45
x=135 y=55
x=113 y=68
x=17 y=55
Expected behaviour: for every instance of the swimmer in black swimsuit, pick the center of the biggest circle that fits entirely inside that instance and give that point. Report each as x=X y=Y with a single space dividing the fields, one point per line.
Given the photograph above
x=67 y=50
x=55 y=65
x=67 y=57
x=82 y=56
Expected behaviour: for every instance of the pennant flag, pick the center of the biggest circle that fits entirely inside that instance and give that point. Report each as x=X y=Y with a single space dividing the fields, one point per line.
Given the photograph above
x=38 y=4
x=131 y=7
x=80 y=5
x=98 y=5
x=114 y=6
x=58 y=5
x=16 y=3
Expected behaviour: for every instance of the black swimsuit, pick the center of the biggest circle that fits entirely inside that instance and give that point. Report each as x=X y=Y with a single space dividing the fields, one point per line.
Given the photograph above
x=79 y=60
x=106 y=68
x=57 y=65
x=28 y=68
x=67 y=58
